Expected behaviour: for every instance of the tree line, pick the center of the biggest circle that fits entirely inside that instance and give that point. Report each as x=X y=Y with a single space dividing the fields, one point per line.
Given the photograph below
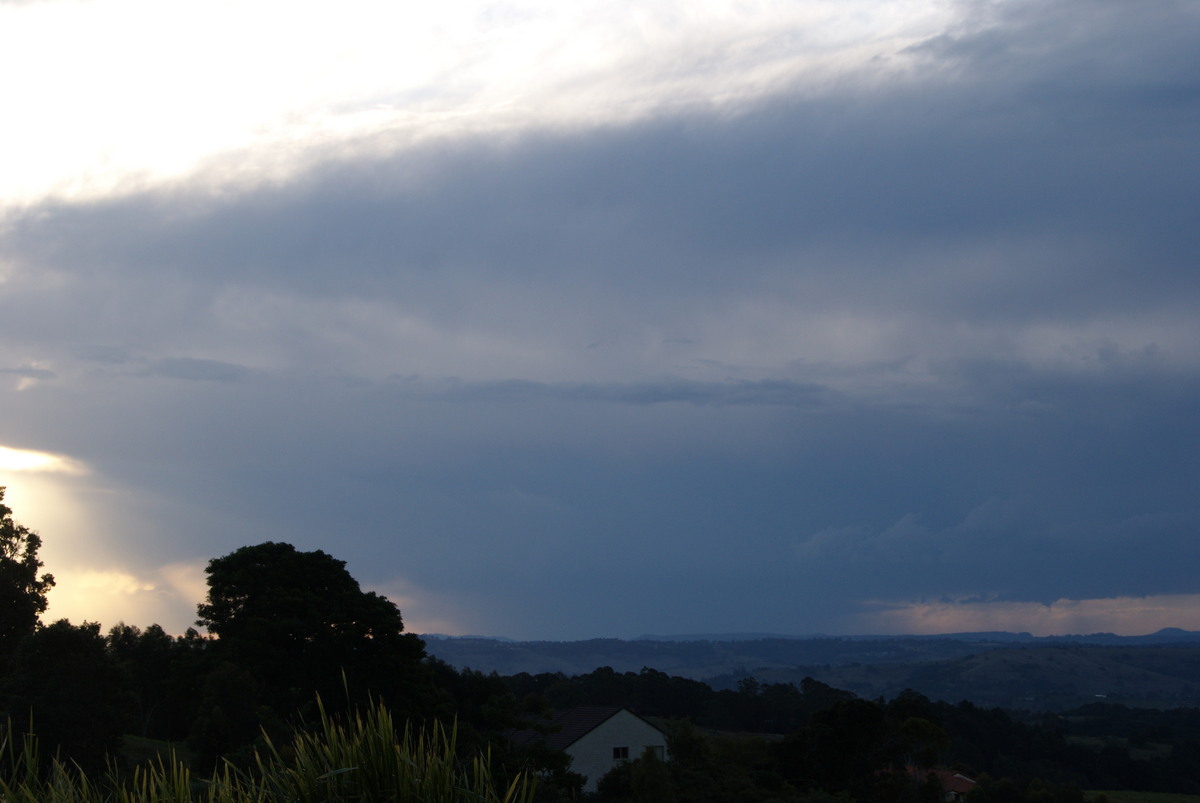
x=785 y=742
x=292 y=639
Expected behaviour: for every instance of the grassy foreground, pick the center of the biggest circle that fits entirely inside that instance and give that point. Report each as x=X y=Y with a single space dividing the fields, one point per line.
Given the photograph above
x=364 y=759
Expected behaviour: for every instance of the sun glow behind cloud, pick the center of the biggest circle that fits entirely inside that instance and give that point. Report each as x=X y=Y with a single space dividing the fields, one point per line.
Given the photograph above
x=166 y=596
x=120 y=94
x=45 y=494
x=31 y=460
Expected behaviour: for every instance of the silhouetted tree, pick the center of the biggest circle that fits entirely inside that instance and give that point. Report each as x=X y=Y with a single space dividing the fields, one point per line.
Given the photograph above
x=230 y=717
x=22 y=590
x=301 y=625
x=165 y=674
x=847 y=747
x=65 y=688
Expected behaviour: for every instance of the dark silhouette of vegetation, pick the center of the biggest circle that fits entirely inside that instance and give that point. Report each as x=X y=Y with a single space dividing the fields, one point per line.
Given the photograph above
x=22 y=588
x=165 y=675
x=65 y=686
x=790 y=742
x=291 y=628
x=301 y=626
x=363 y=757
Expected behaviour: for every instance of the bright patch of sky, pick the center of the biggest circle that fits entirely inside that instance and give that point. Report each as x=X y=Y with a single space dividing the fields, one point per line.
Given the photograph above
x=29 y=460
x=116 y=95
x=1122 y=615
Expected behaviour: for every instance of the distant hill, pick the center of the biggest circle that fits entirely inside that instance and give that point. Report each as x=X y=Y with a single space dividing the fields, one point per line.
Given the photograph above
x=698 y=659
x=1043 y=677
x=997 y=636
x=1010 y=670
x=1167 y=635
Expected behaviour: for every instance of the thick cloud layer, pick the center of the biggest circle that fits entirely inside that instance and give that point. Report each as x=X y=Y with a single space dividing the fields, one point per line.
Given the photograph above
x=913 y=345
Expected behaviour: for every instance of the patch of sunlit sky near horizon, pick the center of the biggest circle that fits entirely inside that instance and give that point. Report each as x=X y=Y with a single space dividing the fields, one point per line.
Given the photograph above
x=1128 y=616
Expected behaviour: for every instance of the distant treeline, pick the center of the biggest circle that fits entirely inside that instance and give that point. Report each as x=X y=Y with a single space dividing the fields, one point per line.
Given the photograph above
x=1050 y=674
x=830 y=740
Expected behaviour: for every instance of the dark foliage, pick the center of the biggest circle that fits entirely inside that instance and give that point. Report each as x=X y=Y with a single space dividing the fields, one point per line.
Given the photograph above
x=65 y=687
x=165 y=677
x=22 y=588
x=758 y=707
x=838 y=744
x=302 y=627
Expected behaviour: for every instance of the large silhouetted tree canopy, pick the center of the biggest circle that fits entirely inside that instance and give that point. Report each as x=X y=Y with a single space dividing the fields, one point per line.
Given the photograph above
x=298 y=621
x=22 y=590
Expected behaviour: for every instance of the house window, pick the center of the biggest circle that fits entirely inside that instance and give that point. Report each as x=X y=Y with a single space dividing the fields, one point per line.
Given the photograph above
x=620 y=754
x=658 y=751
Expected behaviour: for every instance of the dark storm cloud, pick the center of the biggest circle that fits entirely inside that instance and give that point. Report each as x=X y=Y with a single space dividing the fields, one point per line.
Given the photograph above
x=920 y=337
x=766 y=392
x=196 y=369
x=963 y=201
x=29 y=373
x=103 y=354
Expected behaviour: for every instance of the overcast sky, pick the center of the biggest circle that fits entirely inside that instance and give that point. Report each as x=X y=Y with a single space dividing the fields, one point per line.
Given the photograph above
x=566 y=320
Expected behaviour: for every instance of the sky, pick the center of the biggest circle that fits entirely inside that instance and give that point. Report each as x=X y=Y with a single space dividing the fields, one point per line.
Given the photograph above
x=598 y=319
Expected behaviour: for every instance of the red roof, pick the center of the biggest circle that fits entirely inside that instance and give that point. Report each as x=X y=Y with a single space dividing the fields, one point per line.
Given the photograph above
x=954 y=782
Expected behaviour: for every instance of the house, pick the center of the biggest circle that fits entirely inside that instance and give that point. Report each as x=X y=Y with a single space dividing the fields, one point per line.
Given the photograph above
x=955 y=785
x=598 y=738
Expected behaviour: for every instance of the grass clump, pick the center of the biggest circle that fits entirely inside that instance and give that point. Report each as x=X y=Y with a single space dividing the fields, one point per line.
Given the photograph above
x=360 y=760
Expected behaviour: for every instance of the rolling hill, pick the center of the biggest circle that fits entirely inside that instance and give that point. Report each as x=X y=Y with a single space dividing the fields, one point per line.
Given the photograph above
x=992 y=669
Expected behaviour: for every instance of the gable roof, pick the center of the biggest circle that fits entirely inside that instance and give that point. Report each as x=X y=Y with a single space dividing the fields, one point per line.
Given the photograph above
x=954 y=782
x=572 y=725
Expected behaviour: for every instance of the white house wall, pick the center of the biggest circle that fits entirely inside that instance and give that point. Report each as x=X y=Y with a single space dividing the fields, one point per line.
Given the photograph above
x=592 y=754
